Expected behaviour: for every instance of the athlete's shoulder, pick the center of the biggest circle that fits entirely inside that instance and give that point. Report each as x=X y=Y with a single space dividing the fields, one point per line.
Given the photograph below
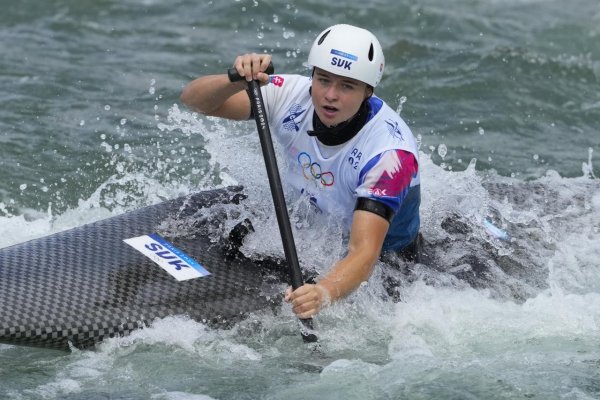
x=287 y=81
x=385 y=130
x=383 y=120
x=378 y=108
x=287 y=88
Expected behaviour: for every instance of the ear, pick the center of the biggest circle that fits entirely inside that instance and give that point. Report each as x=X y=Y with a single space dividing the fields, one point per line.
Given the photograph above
x=368 y=91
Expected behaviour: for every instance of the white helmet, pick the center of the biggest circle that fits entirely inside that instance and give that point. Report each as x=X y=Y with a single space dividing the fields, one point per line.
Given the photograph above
x=348 y=51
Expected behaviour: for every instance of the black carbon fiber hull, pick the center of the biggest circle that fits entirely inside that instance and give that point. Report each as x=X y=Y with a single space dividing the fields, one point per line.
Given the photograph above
x=85 y=284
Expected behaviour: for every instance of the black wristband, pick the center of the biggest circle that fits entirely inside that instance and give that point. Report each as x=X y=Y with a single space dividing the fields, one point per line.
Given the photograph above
x=376 y=207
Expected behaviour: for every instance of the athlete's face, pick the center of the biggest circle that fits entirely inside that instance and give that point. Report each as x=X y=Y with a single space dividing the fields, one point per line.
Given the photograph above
x=337 y=98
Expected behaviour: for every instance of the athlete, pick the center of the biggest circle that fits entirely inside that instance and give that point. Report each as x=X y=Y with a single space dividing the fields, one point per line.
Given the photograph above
x=349 y=151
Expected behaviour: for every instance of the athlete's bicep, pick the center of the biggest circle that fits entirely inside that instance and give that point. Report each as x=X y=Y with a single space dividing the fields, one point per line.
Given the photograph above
x=367 y=234
x=236 y=107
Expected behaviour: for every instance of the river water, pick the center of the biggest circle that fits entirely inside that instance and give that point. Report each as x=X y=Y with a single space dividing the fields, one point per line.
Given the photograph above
x=504 y=98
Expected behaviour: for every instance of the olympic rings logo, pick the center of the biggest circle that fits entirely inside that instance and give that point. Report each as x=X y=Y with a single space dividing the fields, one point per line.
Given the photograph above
x=312 y=170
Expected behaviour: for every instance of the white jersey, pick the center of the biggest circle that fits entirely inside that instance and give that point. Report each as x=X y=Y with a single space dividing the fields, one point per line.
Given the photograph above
x=354 y=169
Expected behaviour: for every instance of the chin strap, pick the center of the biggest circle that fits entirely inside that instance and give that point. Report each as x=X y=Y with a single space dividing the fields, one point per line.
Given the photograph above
x=341 y=133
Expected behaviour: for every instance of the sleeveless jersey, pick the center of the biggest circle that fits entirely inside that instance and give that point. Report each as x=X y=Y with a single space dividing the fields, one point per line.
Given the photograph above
x=334 y=181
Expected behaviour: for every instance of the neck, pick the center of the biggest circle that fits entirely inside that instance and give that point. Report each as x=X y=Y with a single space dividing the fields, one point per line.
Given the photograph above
x=342 y=132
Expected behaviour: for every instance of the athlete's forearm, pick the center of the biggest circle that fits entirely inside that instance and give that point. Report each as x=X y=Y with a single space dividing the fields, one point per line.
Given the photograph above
x=366 y=238
x=347 y=275
x=342 y=280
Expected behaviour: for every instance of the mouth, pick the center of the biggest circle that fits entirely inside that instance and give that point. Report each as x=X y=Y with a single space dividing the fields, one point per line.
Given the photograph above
x=329 y=111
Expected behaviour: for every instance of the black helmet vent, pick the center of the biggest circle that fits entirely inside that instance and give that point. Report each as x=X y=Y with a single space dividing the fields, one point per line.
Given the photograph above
x=323 y=37
x=371 y=52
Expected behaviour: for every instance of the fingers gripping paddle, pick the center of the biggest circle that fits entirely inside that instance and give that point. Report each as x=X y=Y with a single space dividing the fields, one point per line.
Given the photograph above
x=264 y=133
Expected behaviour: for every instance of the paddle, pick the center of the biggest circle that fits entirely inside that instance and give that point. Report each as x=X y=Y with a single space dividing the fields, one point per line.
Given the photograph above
x=285 y=229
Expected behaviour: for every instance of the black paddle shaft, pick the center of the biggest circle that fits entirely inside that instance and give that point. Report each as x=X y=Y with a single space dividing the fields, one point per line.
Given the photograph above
x=285 y=229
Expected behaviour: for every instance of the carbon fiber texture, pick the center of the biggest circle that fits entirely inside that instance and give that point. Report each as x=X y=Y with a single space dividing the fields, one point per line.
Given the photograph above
x=84 y=285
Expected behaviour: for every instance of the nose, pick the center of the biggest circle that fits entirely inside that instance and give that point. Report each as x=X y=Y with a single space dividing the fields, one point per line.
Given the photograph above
x=331 y=93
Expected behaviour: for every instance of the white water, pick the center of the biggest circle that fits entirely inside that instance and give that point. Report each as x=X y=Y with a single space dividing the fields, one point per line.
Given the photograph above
x=444 y=340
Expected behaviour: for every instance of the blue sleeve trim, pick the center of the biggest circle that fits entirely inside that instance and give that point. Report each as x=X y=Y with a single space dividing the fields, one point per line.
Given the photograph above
x=368 y=166
x=375 y=104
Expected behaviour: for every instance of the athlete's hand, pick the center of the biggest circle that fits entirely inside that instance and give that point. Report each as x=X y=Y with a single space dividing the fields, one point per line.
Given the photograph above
x=252 y=67
x=308 y=300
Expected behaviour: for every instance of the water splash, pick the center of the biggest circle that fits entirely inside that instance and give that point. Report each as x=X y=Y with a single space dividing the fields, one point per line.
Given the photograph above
x=588 y=168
